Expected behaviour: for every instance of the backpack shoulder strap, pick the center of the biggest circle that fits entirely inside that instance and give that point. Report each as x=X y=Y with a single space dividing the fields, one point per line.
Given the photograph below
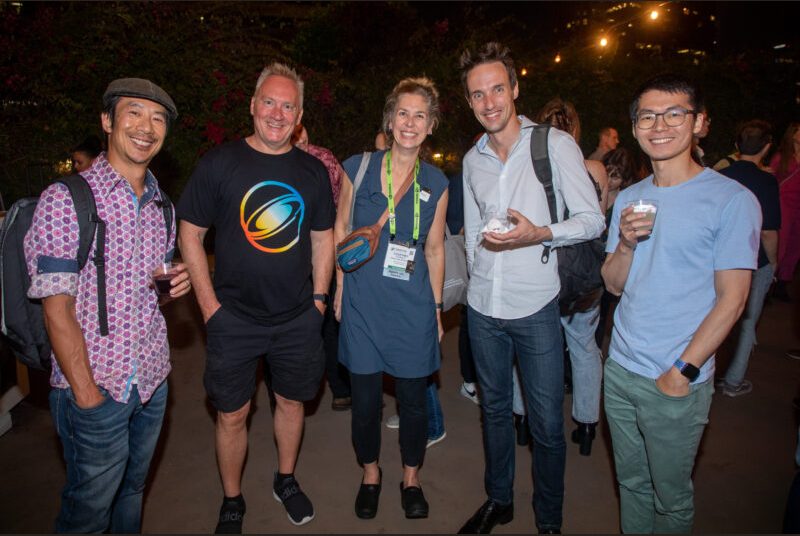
x=86 y=211
x=166 y=206
x=90 y=227
x=362 y=170
x=540 y=157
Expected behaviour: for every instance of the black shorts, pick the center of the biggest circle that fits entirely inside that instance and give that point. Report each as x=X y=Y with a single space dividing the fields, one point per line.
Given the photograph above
x=293 y=351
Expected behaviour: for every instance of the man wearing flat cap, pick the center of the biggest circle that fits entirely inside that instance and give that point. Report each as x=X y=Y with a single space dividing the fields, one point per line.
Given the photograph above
x=109 y=388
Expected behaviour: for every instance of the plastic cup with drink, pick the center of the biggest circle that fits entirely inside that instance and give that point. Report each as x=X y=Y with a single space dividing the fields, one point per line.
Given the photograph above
x=162 y=278
x=648 y=207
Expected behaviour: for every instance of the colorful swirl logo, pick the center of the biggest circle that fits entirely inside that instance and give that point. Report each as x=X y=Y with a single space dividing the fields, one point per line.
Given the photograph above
x=271 y=215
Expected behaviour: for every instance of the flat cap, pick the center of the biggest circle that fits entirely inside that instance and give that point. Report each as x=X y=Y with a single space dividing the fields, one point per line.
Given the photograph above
x=141 y=88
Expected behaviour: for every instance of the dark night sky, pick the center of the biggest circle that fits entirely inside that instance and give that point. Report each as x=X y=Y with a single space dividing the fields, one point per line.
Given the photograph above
x=741 y=25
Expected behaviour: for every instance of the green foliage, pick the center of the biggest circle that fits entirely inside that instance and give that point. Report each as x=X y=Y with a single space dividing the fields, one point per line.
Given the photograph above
x=57 y=58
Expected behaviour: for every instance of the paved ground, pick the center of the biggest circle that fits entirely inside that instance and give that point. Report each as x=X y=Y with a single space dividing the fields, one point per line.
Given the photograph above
x=742 y=476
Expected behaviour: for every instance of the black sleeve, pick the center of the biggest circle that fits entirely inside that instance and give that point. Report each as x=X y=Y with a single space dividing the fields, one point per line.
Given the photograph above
x=198 y=203
x=770 y=206
x=325 y=214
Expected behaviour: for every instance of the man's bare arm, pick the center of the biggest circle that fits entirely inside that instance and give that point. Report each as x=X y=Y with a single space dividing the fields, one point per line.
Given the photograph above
x=69 y=347
x=190 y=239
x=732 y=288
x=321 y=263
x=617 y=265
x=769 y=241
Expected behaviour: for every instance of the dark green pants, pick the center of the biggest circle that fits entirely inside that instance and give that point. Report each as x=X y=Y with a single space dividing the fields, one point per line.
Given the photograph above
x=655 y=439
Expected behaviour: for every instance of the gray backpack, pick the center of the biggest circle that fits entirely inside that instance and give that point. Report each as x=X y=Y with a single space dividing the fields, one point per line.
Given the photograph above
x=21 y=318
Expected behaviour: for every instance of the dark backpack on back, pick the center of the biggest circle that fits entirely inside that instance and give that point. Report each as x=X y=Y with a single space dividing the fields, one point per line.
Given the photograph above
x=21 y=318
x=579 y=264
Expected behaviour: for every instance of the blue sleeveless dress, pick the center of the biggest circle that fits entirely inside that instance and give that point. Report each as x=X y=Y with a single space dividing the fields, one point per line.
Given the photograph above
x=389 y=325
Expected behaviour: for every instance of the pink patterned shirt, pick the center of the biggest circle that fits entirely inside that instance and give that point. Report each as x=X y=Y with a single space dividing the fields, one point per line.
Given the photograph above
x=333 y=166
x=136 y=349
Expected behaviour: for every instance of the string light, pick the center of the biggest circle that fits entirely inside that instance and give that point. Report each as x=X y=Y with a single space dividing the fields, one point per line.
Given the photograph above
x=557 y=58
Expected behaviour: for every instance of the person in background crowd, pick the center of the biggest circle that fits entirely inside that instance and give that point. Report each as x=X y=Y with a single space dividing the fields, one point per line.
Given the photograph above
x=698 y=153
x=338 y=378
x=390 y=308
x=580 y=327
x=608 y=141
x=621 y=168
x=83 y=154
x=786 y=167
x=752 y=143
x=455 y=223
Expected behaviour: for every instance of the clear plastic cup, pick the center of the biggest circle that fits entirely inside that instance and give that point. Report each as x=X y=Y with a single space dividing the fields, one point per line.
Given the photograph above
x=648 y=207
x=496 y=222
x=162 y=278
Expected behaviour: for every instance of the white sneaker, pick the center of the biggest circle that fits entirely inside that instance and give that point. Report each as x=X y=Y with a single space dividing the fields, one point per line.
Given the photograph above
x=434 y=440
x=393 y=422
x=742 y=389
x=469 y=392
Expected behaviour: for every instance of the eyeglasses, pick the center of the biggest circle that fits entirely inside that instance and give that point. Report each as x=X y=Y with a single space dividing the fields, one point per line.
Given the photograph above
x=674 y=117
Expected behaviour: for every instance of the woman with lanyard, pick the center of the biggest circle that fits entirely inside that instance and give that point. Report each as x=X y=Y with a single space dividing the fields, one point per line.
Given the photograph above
x=390 y=308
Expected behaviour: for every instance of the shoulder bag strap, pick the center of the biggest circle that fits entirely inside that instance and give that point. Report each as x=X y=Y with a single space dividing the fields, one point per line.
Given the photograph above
x=362 y=170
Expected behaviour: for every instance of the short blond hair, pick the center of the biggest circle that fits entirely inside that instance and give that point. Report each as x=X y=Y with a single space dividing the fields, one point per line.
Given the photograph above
x=281 y=69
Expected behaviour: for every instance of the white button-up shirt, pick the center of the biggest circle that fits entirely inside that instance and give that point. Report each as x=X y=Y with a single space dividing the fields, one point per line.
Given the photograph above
x=514 y=283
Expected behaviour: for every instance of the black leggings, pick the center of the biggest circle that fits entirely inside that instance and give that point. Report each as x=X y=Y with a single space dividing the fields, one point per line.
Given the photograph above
x=367 y=393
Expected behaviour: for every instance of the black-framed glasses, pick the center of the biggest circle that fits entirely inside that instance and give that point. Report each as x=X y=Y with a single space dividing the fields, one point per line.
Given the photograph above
x=674 y=117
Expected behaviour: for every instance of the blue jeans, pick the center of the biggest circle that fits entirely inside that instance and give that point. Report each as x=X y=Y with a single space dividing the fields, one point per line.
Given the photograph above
x=435 y=416
x=759 y=285
x=517 y=401
x=587 y=365
x=536 y=341
x=107 y=450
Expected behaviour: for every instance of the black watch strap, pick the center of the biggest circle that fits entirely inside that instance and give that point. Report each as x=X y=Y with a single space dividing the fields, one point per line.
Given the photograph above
x=324 y=298
x=687 y=369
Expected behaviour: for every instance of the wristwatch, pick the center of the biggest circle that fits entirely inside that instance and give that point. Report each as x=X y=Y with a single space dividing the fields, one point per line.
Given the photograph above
x=687 y=369
x=324 y=298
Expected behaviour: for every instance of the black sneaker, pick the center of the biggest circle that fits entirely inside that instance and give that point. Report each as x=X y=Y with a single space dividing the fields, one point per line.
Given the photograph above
x=231 y=515
x=298 y=508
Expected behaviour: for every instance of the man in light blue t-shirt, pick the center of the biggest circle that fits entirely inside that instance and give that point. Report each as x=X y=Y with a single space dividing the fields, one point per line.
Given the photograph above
x=683 y=279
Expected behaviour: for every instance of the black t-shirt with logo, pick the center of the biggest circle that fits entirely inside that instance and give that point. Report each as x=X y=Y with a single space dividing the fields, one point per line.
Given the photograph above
x=263 y=208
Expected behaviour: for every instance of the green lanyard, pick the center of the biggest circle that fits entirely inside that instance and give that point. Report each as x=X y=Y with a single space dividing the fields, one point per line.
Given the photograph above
x=390 y=196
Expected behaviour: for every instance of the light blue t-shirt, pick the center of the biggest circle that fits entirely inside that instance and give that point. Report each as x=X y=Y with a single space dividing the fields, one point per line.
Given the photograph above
x=705 y=224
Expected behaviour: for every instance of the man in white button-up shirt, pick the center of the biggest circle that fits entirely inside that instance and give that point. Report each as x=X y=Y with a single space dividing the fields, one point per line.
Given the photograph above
x=513 y=295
